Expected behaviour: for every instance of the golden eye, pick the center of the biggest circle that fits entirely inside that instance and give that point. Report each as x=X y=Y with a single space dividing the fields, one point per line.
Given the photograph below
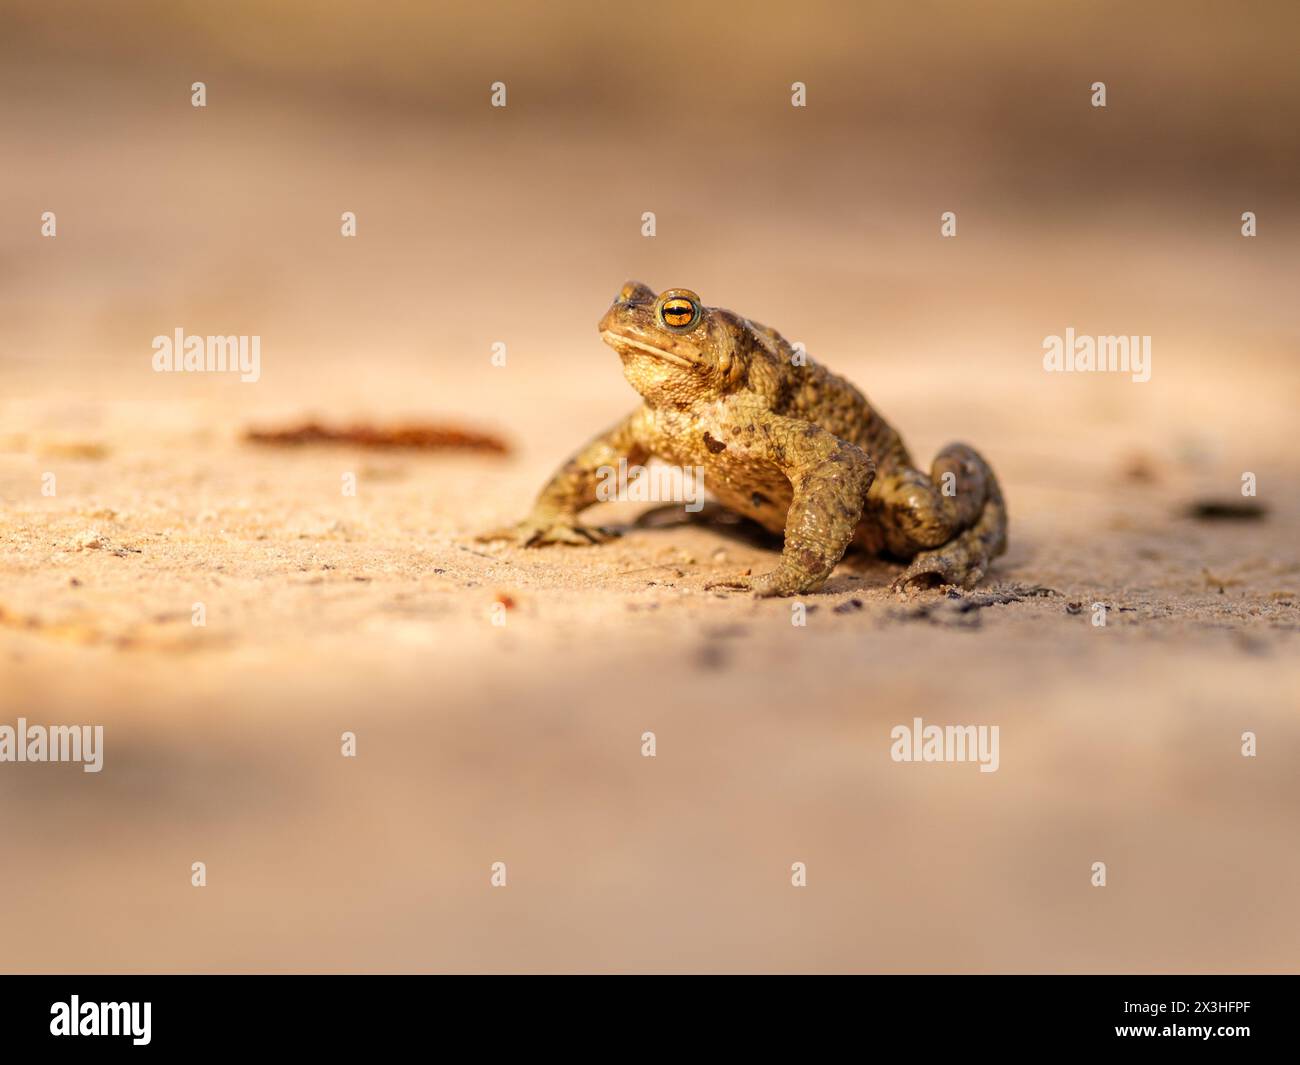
x=678 y=312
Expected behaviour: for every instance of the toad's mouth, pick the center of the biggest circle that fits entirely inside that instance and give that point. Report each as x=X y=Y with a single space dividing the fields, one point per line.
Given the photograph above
x=615 y=339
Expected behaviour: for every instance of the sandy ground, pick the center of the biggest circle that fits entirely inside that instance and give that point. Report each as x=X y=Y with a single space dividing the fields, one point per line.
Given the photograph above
x=521 y=742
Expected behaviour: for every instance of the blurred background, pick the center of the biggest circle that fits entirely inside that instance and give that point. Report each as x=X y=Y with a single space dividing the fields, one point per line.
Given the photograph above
x=479 y=225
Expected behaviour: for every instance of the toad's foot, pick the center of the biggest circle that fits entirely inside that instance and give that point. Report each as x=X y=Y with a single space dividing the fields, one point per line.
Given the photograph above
x=830 y=479
x=961 y=562
x=539 y=532
x=764 y=585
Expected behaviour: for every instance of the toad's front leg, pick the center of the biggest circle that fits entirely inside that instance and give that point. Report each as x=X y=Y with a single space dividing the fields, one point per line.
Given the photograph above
x=554 y=517
x=829 y=478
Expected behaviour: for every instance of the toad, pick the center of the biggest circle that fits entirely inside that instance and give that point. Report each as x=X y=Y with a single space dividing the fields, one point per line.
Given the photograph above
x=782 y=441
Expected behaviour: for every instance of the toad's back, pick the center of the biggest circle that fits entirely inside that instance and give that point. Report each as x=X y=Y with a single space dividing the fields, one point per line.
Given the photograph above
x=799 y=387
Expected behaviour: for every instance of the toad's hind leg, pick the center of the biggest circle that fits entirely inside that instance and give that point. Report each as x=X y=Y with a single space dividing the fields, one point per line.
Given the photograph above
x=951 y=524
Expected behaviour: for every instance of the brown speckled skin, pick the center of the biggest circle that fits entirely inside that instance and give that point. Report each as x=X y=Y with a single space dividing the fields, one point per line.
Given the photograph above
x=792 y=446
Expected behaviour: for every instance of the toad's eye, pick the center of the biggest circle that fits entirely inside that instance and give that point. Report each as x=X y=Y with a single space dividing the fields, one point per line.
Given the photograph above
x=679 y=312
